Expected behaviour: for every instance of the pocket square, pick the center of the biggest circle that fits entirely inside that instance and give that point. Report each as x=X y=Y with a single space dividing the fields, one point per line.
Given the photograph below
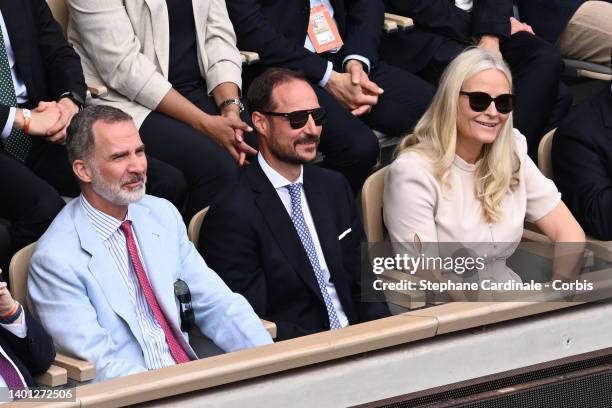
x=344 y=234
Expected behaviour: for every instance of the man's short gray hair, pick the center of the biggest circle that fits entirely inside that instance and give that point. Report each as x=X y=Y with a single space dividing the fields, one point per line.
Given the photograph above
x=79 y=135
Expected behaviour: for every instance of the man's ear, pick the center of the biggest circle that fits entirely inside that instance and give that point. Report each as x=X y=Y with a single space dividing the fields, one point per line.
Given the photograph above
x=260 y=122
x=82 y=171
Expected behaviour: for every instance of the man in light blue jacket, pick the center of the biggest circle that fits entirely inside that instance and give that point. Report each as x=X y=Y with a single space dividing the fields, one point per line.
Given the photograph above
x=102 y=276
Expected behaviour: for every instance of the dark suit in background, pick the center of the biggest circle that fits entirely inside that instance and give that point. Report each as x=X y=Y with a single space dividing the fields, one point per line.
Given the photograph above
x=582 y=163
x=548 y=17
x=49 y=67
x=443 y=30
x=276 y=29
x=33 y=354
x=581 y=29
x=248 y=238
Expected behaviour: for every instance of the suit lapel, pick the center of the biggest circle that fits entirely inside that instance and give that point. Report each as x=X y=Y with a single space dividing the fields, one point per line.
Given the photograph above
x=16 y=23
x=161 y=32
x=281 y=226
x=104 y=270
x=322 y=216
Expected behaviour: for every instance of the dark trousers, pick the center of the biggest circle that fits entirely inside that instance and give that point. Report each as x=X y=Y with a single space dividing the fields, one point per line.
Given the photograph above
x=206 y=166
x=347 y=142
x=31 y=191
x=542 y=100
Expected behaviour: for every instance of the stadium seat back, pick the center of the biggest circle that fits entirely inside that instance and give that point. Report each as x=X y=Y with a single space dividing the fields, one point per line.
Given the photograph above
x=193 y=231
x=18 y=273
x=372 y=205
x=544 y=154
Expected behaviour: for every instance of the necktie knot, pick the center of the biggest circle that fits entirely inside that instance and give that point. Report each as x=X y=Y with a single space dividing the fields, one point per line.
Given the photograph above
x=294 y=192
x=126 y=227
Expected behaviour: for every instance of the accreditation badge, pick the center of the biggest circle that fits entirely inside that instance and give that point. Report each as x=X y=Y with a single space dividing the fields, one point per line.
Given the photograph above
x=322 y=30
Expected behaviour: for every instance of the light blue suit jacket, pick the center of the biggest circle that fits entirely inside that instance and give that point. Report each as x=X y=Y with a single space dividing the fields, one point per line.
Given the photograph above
x=76 y=291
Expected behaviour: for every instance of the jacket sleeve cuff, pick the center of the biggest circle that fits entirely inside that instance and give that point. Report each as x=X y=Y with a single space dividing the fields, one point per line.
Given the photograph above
x=223 y=71
x=153 y=91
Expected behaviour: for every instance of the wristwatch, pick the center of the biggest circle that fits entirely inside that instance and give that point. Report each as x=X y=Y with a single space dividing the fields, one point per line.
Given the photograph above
x=78 y=101
x=27 y=117
x=232 y=101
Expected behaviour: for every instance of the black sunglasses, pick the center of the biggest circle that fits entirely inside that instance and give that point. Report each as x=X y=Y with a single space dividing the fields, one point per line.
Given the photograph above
x=480 y=101
x=298 y=119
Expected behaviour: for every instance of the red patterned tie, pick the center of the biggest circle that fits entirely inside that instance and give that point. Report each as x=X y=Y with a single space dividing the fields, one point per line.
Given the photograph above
x=177 y=351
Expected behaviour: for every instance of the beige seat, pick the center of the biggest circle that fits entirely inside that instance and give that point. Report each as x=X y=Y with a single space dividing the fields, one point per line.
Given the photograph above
x=544 y=154
x=401 y=23
x=63 y=366
x=193 y=232
x=372 y=207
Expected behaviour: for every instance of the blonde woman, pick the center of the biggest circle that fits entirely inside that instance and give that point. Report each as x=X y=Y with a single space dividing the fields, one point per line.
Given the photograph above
x=464 y=175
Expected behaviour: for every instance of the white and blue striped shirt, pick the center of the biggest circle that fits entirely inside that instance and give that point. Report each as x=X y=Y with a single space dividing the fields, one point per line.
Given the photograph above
x=155 y=348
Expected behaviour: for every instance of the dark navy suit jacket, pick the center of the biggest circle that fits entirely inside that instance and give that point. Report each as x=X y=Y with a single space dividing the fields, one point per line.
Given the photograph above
x=46 y=63
x=548 y=17
x=276 y=29
x=582 y=163
x=33 y=354
x=437 y=21
x=249 y=239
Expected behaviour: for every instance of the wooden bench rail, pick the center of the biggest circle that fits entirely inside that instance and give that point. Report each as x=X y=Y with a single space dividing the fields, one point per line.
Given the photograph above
x=300 y=352
x=79 y=370
x=53 y=377
x=270 y=327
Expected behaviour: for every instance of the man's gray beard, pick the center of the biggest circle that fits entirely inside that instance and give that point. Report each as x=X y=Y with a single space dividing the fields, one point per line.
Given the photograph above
x=114 y=193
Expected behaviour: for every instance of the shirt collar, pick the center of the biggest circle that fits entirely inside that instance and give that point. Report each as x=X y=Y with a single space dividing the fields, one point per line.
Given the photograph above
x=104 y=224
x=278 y=180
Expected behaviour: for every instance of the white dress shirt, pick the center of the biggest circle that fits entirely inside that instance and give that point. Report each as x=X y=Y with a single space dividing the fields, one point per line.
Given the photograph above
x=310 y=46
x=155 y=348
x=20 y=89
x=279 y=182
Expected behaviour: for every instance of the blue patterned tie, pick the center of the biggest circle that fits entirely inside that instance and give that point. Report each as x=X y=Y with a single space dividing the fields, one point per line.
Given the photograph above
x=17 y=143
x=302 y=229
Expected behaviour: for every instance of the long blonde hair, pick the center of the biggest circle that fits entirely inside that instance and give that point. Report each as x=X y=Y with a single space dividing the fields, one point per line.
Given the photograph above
x=435 y=135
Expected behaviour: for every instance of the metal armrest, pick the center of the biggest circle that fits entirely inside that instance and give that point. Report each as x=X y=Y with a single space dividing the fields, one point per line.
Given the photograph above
x=249 y=57
x=270 y=327
x=79 y=370
x=53 y=377
x=403 y=23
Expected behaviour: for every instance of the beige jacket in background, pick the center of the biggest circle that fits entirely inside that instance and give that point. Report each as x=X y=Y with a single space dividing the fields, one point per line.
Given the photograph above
x=125 y=45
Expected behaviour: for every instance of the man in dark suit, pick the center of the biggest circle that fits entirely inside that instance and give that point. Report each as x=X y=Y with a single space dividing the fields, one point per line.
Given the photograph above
x=444 y=28
x=26 y=349
x=581 y=29
x=582 y=163
x=288 y=236
x=40 y=71
x=348 y=79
